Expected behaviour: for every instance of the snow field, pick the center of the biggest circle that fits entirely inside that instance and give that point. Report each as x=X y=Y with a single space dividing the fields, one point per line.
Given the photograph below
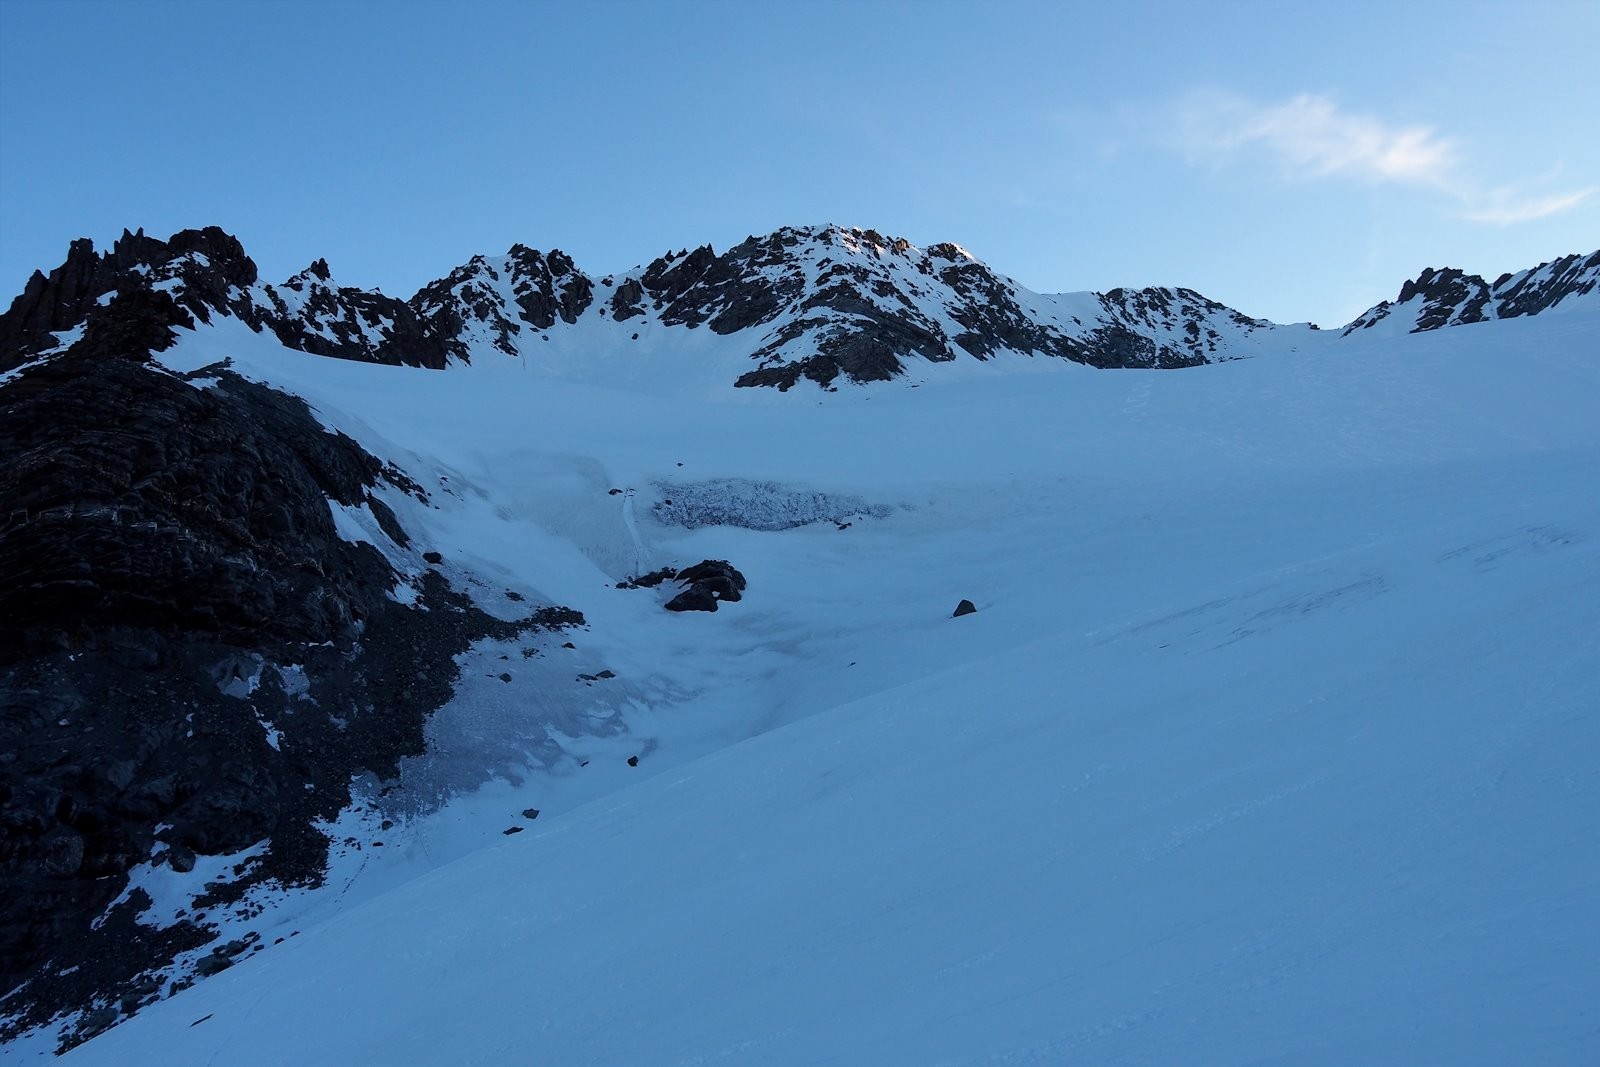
x=1272 y=739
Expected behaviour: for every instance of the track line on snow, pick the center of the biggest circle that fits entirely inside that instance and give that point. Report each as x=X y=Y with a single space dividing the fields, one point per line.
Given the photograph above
x=633 y=531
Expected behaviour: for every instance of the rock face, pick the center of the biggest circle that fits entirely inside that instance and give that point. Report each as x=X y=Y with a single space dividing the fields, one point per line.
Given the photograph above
x=206 y=269
x=852 y=305
x=191 y=659
x=494 y=300
x=1439 y=298
x=309 y=312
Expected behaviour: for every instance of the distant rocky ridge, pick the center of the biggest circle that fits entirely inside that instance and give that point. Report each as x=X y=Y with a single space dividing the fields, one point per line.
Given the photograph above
x=1449 y=297
x=823 y=304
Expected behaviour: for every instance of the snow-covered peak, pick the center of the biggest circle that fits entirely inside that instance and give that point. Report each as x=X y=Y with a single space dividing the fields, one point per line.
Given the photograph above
x=828 y=304
x=833 y=304
x=488 y=302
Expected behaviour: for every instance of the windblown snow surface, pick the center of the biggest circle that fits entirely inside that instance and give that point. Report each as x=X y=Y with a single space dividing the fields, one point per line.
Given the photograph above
x=1273 y=740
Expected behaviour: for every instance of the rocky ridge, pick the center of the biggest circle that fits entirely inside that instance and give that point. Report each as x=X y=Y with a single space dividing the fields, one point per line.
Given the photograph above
x=830 y=304
x=824 y=304
x=1438 y=298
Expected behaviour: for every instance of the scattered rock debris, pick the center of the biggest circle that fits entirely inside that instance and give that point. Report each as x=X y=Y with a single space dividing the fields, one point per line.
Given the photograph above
x=648 y=581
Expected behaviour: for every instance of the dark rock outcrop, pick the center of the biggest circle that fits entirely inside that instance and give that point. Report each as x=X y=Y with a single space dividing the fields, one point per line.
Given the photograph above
x=966 y=607
x=191 y=659
x=1438 y=298
x=648 y=581
x=708 y=583
x=876 y=305
x=626 y=301
x=717 y=575
x=544 y=289
x=1547 y=285
x=312 y=314
x=208 y=268
x=693 y=599
x=206 y=273
x=743 y=287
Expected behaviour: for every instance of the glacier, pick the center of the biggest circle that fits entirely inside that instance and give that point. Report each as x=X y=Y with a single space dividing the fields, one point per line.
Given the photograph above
x=1272 y=738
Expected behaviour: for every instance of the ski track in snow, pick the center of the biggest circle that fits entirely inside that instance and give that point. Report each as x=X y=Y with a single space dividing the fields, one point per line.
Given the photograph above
x=1272 y=740
x=633 y=532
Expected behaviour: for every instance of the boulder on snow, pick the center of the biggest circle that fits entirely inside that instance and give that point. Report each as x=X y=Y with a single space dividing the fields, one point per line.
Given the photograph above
x=97 y=1022
x=966 y=607
x=709 y=581
x=215 y=963
x=693 y=599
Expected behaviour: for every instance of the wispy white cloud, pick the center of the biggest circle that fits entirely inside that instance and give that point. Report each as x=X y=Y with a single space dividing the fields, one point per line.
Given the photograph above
x=1507 y=209
x=1309 y=137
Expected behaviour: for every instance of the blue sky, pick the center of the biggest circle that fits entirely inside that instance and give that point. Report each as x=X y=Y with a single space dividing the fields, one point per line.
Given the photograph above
x=1295 y=161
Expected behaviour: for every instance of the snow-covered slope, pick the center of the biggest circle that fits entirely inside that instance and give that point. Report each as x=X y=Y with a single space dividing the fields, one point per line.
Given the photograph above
x=310 y=628
x=1271 y=739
